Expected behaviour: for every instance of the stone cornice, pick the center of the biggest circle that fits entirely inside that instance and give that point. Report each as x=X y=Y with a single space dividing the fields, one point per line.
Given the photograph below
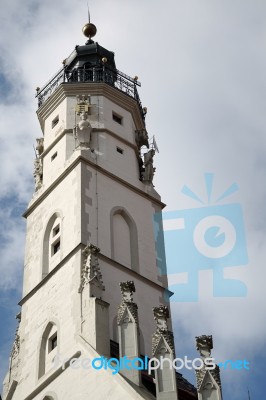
x=50 y=378
x=82 y=246
x=66 y=172
x=94 y=89
x=51 y=273
x=135 y=274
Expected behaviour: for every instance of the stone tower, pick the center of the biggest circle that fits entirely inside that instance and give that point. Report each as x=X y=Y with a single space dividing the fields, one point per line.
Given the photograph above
x=90 y=240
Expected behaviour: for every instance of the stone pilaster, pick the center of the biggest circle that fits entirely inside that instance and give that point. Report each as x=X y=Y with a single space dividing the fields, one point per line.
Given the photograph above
x=127 y=321
x=163 y=349
x=208 y=381
x=95 y=311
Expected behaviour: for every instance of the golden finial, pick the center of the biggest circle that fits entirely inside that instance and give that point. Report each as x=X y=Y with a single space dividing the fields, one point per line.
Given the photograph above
x=89 y=29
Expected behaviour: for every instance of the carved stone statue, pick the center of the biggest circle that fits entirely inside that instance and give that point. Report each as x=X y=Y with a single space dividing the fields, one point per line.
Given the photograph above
x=39 y=146
x=141 y=168
x=148 y=164
x=142 y=138
x=82 y=131
x=38 y=173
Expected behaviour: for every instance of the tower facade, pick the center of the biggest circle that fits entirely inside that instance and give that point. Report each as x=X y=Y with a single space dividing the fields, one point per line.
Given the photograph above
x=92 y=285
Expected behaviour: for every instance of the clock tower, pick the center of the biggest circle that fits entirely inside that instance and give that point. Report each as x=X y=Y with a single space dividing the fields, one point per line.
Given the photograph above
x=93 y=287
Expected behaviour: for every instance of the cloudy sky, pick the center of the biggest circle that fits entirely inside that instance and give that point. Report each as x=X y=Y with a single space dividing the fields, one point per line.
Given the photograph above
x=202 y=66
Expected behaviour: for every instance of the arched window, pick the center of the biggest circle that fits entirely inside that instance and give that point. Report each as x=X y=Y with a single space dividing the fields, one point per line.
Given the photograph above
x=50 y=396
x=124 y=238
x=48 y=349
x=52 y=244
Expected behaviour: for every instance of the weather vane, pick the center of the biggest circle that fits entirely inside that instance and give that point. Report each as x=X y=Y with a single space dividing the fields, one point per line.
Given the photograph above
x=89 y=29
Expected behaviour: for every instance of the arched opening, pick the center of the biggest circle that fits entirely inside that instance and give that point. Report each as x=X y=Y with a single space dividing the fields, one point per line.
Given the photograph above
x=50 y=396
x=48 y=349
x=124 y=238
x=52 y=244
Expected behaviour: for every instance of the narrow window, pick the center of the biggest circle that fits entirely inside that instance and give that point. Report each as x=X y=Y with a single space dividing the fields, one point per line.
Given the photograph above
x=56 y=230
x=119 y=150
x=117 y=118
x=55 y=121
x=55 y=247
x=54 y=156
x=48 y=349
x=52 y=343
x=51 y=243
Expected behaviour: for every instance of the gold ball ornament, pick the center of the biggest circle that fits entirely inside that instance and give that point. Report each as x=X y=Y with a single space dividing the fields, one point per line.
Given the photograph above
x=89 y=30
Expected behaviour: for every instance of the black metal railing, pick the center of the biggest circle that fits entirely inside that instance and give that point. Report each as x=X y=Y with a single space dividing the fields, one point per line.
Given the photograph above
x=95 y=74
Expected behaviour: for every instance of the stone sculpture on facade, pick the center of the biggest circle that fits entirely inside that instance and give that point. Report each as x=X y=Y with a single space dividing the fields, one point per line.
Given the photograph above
x=39 y=147
x=163 y=348
x=16 y=347
x=208 y=381
x=148 y=165
x=91 y=274
x=83 y=129
x=142 y=138
x=127 y=290
x=38 y=173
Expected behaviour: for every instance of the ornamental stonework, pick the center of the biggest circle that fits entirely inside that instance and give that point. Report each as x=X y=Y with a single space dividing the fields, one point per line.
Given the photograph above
x=91 y=273
x=127 y=289
x=161 y=315
x=204 y=344
x=167 y=336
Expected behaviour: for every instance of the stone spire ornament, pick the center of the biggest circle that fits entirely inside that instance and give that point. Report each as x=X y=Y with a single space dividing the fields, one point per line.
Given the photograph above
x=94 y=310
x=91 y=274
x=89 y=30
x=128 y=332
x=163 y=349
x=208 y=381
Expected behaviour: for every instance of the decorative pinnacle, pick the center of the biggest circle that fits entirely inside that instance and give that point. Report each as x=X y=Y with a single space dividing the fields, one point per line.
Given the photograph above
x=204 y=345
x=161 y=315
x=127 y=290
x=89 y=29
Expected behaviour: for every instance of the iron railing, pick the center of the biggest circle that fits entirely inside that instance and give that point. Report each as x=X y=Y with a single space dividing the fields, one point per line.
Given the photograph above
x=96 y=74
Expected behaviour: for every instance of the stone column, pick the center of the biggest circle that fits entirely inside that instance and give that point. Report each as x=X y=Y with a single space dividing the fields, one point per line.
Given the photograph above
x=163 y=349
x=95 y=311
x=128 y=333
x=208 y=381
